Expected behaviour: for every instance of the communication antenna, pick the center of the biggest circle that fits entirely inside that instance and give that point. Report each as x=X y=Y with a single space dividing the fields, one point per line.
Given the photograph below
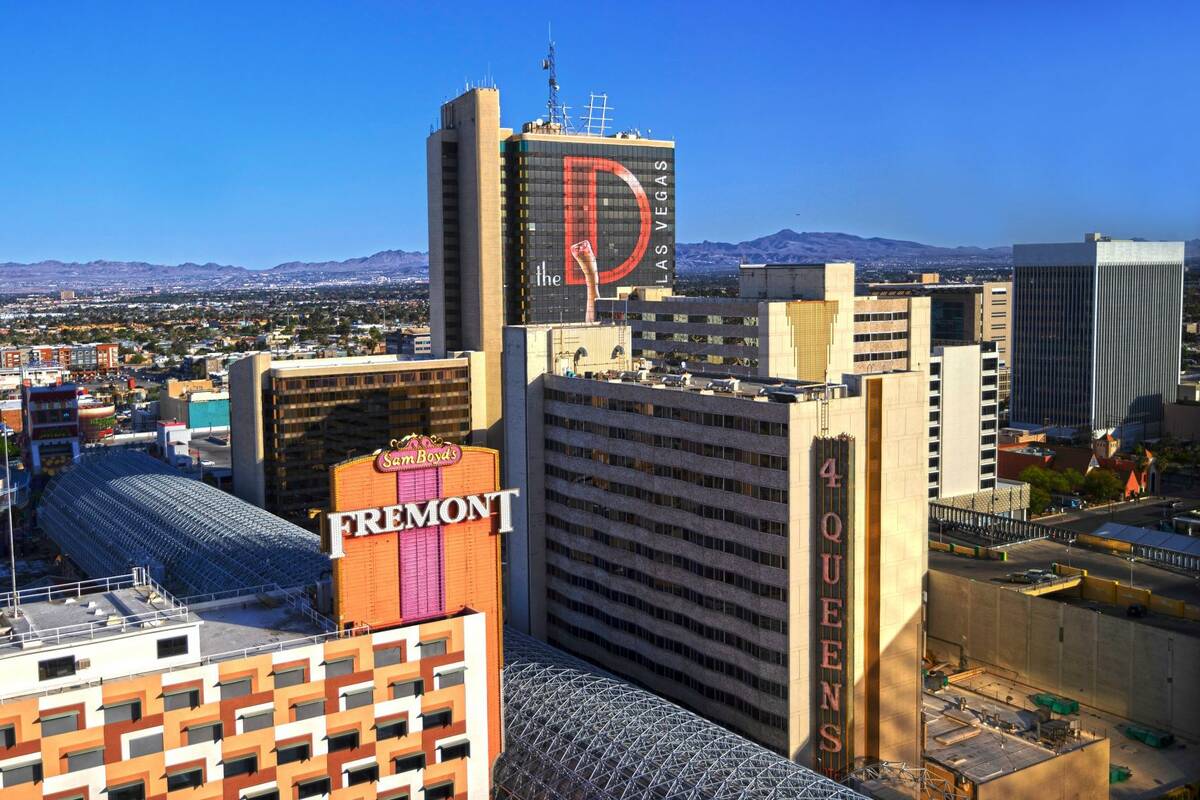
x=552 y=105
x=597 y=114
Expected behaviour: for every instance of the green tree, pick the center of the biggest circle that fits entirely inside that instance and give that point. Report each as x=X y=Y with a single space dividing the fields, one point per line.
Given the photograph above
x=1039 y=499
x=1100 y=485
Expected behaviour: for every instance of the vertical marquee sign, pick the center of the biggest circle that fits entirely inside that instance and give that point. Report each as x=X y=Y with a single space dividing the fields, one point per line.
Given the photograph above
x=834 y=595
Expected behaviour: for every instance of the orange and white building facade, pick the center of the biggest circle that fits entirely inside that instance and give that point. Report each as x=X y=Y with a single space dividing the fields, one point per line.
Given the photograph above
x=114 y=690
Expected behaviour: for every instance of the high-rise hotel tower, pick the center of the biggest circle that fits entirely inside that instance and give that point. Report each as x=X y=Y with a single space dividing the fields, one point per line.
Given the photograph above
x=532 y=227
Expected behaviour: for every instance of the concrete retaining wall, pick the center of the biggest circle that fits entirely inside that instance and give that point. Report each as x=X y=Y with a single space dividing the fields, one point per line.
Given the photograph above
x=1121 y=666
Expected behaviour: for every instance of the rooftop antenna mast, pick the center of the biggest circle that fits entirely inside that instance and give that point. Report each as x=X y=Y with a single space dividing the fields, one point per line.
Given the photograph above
x=552 y=106
x=597 y=114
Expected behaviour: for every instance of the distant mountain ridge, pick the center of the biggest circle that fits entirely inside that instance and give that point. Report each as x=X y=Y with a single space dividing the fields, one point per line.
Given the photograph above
x=127 y=275
x=789 y=246
x=404 y=265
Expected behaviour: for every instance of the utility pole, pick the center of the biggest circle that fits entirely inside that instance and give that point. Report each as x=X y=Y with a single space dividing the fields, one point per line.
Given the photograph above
x=5 y=431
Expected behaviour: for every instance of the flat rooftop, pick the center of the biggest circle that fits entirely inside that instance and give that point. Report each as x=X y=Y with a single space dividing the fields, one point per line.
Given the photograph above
x=739 y=386
x=962 y=740
x=258 y=617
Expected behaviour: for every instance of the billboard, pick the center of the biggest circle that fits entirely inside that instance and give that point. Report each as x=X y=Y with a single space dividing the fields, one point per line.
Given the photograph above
x=412 y=531
x=584 y=218
x=833 y=599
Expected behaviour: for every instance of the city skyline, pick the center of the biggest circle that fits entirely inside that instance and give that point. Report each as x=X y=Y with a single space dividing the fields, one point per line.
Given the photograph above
x=198 y=134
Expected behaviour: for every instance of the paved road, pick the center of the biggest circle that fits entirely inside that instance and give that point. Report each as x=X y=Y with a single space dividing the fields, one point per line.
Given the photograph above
x=1145 y=513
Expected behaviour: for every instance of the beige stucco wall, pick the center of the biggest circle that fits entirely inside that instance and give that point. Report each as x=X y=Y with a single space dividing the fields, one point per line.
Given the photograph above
x=961 y=418
x=1121 y=666
x=1080 y=774
x=903 y=561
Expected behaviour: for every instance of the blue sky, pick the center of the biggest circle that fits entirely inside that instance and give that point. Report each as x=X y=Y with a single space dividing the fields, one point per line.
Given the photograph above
x=254 y=133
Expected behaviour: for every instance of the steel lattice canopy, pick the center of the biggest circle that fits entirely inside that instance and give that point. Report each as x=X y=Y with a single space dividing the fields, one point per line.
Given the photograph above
x=122 y=508
x=572 y=731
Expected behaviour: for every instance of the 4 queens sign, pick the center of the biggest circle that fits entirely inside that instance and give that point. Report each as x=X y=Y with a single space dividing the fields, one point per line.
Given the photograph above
x=834 y=507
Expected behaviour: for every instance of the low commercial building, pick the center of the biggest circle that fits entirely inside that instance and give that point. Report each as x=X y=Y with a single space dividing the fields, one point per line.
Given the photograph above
x=51 y=427
x=97 y=419
x=990 y=750
x=196 y=403
x=77 y=357
x=293 y=420
x=411 y=342
x=13 y=378
x=661 y=513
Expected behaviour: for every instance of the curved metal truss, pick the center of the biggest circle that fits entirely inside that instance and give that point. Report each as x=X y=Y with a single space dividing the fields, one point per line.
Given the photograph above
x=572 y=731
x=121 y=508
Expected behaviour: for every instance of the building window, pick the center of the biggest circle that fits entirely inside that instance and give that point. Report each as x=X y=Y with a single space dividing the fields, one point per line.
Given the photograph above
x=56 y=668
x=414 y=688
x=188 y=698
x=123 y=712
x=437 y=719
x=172 y=646
x=60 y=723
x=8 y=736
x=367 y=774
x=186 y=779
x=127 y=791
x=145 y=745
x=242 y=765
x=338 y=667
x=309 y=709
x=410 y=762
x=293 y=752
x=258 y=720
x=236 y=688
x=358 y=698
x=399 y=794
x=85 y=759
x=431 y=649
x=26 y=773
x=293 y=676
x=391 y=729
x=440 y=791
x=210 y=732
x=386 y=656
x=313 y=788
x=454 y=677
x=343 y=741
x=269 y=794
x=457 y=750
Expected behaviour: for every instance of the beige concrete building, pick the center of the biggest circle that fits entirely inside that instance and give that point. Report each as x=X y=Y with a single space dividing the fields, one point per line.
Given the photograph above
x=793 y=321
x=528 y=227
x=672 y=533
x=963 y=401
x=963 y=313
x=293 y=420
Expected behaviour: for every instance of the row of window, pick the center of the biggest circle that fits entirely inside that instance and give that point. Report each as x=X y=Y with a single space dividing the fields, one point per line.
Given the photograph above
x=894 y=355
x=717 y=544
x=676 y=677
x=703 y=418
x=885 y=336
x=700 y=479
x=706 y=448
x=759 y=620
x=881 y=316
x=660 y=500
x=638 y=603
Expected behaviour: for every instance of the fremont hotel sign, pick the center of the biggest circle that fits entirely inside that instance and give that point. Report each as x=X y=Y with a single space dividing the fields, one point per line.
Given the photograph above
x=834 y=457
x=419 y=453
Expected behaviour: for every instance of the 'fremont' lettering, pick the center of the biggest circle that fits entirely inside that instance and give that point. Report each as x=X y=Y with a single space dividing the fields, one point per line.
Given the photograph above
x=410 y=516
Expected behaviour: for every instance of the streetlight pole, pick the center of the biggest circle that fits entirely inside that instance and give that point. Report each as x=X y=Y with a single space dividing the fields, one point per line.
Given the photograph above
x=5 y=431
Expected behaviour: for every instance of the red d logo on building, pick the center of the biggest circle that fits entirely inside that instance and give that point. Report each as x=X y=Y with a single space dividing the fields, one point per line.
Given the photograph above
x=580 y=208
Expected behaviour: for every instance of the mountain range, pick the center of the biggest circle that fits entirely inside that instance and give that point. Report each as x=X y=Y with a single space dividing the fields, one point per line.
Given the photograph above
x=401 y=265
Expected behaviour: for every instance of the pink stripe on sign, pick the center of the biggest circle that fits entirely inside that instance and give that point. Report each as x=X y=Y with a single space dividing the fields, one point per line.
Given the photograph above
x=422 y=577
